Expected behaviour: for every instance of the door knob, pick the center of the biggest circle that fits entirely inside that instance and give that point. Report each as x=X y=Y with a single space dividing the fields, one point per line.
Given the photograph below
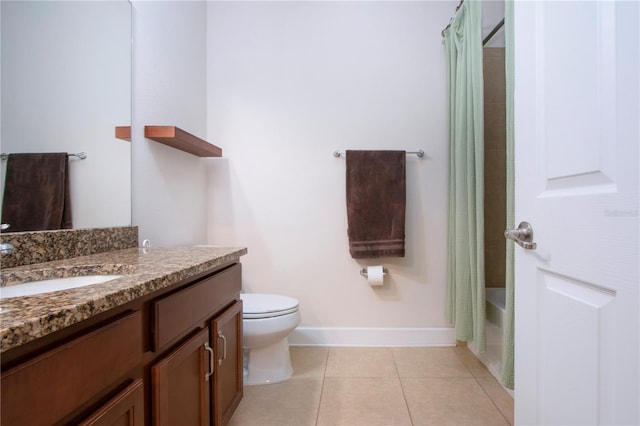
x=523 y=235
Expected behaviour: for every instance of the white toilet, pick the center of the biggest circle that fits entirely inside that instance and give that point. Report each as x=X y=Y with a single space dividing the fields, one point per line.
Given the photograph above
x=267 y=321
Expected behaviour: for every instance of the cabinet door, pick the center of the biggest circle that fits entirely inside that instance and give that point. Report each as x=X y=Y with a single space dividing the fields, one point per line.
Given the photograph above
x=180 y=386
x=226 y=335
x=125 y=409
x=50 y=387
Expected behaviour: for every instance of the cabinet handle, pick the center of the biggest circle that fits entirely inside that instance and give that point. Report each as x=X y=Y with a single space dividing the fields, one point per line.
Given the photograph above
x=224 y=348
x=211 y=356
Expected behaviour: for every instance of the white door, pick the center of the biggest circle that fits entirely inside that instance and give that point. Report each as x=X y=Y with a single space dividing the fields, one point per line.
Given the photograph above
x=576 y=147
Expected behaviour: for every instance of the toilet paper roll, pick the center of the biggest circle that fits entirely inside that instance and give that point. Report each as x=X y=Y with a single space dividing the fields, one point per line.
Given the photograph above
x=375 y=275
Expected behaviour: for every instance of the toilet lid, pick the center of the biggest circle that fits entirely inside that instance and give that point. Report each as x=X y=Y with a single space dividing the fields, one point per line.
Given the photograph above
x=256 y=305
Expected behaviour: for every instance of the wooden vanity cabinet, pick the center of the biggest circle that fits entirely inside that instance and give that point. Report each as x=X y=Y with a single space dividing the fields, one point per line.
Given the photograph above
x=200 y=381
x=227 y=383
x=145 y=363
x=49 y=387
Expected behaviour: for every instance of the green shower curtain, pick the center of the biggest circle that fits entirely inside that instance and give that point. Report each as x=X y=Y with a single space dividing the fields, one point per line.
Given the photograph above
x=508 y=330
x=465 y=261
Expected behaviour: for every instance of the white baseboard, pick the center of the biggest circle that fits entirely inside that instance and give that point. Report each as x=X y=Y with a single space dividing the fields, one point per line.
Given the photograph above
x=364 y=336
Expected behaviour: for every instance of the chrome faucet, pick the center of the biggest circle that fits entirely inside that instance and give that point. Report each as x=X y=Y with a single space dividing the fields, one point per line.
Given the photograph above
x=5 y=248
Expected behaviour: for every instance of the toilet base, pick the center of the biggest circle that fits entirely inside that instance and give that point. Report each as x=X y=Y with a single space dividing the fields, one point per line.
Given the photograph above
x=267 y=364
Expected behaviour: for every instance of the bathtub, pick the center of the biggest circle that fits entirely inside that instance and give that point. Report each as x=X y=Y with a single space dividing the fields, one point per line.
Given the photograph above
x=495 y=314
x=495 y=305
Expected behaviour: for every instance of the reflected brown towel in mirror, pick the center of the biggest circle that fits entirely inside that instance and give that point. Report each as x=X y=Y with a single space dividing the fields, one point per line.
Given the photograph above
x=36 y=193
x=376 y=199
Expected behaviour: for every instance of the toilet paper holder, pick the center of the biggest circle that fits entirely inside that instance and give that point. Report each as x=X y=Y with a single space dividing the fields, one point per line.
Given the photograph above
x=364 y=273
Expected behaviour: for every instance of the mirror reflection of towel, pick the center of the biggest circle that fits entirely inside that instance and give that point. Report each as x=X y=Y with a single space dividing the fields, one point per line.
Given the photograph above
x=376 y=198
x=36 y=193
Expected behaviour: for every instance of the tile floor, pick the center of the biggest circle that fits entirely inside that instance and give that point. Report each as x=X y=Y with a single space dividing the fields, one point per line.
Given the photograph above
x=341 y=386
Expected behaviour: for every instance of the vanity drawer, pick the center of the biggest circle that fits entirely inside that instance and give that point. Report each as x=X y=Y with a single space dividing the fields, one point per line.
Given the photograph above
x=54 y=384
x=178 y=314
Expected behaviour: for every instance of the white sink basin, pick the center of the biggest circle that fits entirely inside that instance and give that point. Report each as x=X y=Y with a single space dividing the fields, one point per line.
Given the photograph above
x=47 y=286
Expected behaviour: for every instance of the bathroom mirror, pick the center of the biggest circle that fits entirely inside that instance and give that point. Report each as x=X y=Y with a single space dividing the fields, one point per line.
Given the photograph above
x=66 y=85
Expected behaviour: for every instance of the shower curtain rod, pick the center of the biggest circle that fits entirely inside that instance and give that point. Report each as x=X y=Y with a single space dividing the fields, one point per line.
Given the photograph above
x=493 y=32
x=487 y=38
x=449 y=24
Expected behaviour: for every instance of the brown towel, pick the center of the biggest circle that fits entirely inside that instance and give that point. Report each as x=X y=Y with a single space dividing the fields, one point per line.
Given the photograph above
x=376 y=195
x=36 y=192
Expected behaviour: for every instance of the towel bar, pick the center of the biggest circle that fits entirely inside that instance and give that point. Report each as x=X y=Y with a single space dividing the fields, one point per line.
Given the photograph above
x=419 y=153
x=363 y=272
x=80 y=155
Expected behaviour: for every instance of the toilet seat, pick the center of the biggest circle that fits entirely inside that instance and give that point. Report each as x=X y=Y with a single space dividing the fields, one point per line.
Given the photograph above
x=257 y=306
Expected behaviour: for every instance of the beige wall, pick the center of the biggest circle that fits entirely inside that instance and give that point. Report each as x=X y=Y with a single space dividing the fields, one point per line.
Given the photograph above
x=169 y=88
x=290 y=82
x=495 y=171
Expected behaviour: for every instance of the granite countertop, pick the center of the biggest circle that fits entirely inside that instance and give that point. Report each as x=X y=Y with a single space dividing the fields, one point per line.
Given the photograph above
x=26 y=318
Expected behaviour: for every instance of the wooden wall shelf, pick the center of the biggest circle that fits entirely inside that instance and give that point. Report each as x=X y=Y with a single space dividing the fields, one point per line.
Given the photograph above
x=123 y=132
x=184 y=141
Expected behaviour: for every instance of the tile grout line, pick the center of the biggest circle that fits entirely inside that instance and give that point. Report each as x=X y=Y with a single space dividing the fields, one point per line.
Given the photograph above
x=492 y=401
x=324 y=373
x=404 y=395
x=483 y=389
